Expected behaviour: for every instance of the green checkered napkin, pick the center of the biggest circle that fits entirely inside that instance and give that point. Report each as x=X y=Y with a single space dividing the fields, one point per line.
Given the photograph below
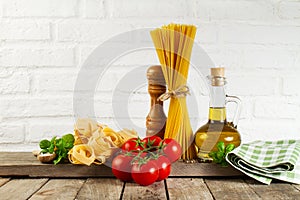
x=267 y=160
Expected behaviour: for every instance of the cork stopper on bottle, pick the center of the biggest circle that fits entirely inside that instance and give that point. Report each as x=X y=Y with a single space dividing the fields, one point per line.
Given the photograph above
x=218 y=76
x=217 y=71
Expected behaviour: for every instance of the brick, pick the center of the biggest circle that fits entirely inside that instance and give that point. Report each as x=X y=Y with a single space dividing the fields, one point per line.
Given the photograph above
x=13 y=81
x=289 y=9
x=268 y=129
x=151 y=9
x=206 y=33
x=37 y=57
x=252 y=85
x=61 y=106
x=90 y=30
x=24 y=30
x=291 y=85
x=94 y=8
x=269 y=59
x=110 y=109
x=37 y=8
x=36 y=107
x=259 y=34
x=227 y=56
x=12 y=147
x=276 y=108
x=297 y=62
x=12 y=133
x=114 y=76
x=40 y=131
x=139 y=57
x=85 y=52
x=233 y=10
x=54 y=81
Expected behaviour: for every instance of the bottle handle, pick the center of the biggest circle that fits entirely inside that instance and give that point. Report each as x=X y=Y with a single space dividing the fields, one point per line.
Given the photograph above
x=237 y=114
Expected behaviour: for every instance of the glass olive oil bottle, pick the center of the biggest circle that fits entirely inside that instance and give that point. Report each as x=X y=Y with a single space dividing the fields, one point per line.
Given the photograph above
x=217 y=128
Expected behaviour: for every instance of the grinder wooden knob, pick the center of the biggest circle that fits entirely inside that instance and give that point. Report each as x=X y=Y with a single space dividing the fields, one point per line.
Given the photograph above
x=156 y=119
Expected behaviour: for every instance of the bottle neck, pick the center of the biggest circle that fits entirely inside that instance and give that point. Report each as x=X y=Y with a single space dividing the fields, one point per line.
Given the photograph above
x=217 y=97
x=217 y=110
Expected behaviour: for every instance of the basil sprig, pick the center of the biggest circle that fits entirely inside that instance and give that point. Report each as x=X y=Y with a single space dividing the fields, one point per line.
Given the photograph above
x=219 y=156
x=59 y=146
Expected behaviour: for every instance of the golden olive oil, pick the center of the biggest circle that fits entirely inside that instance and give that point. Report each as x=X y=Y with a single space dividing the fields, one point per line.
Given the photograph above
x=215 y=130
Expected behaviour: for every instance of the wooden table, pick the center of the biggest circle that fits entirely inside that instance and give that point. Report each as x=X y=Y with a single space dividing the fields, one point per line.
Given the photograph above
x=23 y=177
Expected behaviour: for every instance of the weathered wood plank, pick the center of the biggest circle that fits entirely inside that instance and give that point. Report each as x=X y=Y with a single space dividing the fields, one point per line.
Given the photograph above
x=8 y=158
x=297 y=187
x=25 y=164
x=154 y=191
x=53 y=171
x=59 y=189
x=188 y=188
x=275 y=190
x=202 y=169
x=3 y=181
x=230 y=189
x=103 y=188
x=20 y=188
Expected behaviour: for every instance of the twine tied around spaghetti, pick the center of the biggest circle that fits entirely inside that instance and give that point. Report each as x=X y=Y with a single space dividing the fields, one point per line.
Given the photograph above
x=180 y=92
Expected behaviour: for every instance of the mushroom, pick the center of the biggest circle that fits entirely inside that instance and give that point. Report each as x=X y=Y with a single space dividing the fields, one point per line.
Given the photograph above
x=46 y=158
x=36 y=152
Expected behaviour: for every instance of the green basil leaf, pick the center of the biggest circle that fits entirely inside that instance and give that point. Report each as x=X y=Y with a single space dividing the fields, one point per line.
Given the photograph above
x=221 y=146
x=68 y=138
x=224 y=163
x=44 y=151
x=229 y=148
x=58 y=144
x=53 y=140
x=56 y=161
x=213 y=154
x=51 y=148
x=217 y=160
x=220 y=155
x=44 y=144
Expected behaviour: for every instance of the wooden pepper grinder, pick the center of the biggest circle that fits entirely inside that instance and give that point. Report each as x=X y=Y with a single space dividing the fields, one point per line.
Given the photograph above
x=156 y=119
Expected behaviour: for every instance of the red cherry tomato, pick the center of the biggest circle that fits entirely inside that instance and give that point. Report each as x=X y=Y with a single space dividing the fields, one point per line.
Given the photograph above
x=164 y=167
x=151 y=141
x=121 y=167
x=132 y=144
x=145 y=174
x=172 y=149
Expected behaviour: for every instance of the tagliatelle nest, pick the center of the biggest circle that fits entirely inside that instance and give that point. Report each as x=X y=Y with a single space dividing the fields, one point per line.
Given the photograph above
x=95 y=143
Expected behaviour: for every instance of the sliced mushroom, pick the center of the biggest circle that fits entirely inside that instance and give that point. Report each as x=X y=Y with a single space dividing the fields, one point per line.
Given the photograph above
x=36 y=152
x=46 y=158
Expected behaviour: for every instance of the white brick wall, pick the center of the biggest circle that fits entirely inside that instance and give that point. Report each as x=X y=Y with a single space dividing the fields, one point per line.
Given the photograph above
x=37 y=8
x=43 y=44
x=11 y=29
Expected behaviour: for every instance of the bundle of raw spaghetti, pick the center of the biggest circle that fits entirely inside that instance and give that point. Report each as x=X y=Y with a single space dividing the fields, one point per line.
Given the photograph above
x=174 y=44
